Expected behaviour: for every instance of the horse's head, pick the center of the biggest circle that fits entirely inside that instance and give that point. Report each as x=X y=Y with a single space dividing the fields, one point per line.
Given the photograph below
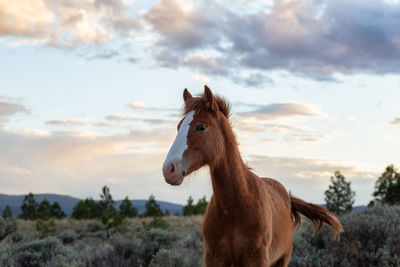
x=200 y=138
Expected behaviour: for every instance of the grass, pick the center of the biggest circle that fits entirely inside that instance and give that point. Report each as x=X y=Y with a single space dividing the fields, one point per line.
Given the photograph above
x=371 y=238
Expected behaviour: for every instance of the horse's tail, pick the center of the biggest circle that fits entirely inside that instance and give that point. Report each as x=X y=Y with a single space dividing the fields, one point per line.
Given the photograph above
x=317 y=214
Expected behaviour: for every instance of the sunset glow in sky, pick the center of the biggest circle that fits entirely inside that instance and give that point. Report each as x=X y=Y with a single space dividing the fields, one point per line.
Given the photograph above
x=91 y=91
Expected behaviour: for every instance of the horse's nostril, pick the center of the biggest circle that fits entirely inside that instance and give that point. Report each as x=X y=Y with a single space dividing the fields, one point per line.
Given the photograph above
x=172 y=168
x=183 y=173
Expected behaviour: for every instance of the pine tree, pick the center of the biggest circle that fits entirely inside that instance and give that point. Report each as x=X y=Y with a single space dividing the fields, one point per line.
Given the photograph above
x=152 y=208
x=201 y=206
x=387 y=187
x=107 y=202
x=339 y=197
x=44 y=210
x=86 y=209
x=7 y=212
x=126 y=208
x=29 y=207
x=56 y=210
x=188 y=209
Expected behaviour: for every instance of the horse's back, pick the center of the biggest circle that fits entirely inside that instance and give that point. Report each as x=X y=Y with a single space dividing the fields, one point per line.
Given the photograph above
x=277 y=191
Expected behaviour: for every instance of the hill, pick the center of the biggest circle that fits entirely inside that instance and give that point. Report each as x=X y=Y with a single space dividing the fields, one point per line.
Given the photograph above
x=67 y=203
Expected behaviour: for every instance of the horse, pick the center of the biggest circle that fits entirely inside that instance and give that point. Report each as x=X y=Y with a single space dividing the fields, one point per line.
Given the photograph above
x=250 y=220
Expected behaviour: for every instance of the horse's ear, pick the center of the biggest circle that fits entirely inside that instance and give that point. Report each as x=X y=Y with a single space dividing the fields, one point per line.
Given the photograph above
x=212 y=104
x=186 y=95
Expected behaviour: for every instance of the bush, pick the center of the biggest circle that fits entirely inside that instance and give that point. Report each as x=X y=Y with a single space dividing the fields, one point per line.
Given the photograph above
x=154 y=240
x=157 y=222
x=126 y=251
x=46 y=227
x=7 y=227
x=185 y=253
x=94 y=253
x=370 y=238
x=95 y=226
x=45 y=252
x=68 y=236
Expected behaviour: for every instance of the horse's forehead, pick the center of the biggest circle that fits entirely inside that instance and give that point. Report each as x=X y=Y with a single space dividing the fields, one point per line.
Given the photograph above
x=201 y=115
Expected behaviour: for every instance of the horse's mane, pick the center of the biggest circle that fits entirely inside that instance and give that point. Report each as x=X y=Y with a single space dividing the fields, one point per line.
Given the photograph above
x=200 y=103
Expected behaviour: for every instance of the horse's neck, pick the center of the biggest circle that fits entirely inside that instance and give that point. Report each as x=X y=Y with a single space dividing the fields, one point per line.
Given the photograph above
x=230 y=176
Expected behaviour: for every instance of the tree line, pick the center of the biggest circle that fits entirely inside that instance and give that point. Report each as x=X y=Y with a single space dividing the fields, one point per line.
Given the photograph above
x=104 y=209
x=339 y=199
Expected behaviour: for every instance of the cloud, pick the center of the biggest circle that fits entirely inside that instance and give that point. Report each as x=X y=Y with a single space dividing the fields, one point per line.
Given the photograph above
x=79 y=165
x=24 y=18
x=123 y=117
x=136 y=105
x=181 y=25
x=309 y=38
x=282 y=110
x=66 y=23
x=237 y=41
x=205 y=64
x=104 y=55
x=310 y=177
x=395 y=121
x=66 y=122
x=8 y=108
x=133 y=117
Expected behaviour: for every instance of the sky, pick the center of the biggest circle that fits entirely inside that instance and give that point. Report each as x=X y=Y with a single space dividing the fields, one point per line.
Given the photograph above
x=91 y=91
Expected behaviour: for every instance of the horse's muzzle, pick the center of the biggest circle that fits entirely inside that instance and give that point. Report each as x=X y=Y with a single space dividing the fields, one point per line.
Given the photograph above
x=173 y=172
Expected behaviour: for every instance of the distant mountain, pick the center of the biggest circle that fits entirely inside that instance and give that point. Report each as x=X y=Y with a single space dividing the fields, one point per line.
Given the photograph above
x=67 y=203
x=355 y=208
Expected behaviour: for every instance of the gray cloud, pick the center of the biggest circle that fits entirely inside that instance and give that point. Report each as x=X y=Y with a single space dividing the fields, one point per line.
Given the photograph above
x=133 y=117
x=311 y=38
x=281 y=110
x=104 y=55
x=66 y=122
x=8 y=108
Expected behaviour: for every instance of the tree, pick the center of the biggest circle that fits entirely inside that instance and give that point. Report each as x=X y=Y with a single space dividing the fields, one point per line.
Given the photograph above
x=29 y=207
x=339 y=197
x=152 y=208
x=107 y=202
x=44 y=210
x=198 y=209
x=201 y=206
x=188 y=209
x=86 y=209
x=387 y=187
x=126 y=208
x=7 y=212
x=56 y=210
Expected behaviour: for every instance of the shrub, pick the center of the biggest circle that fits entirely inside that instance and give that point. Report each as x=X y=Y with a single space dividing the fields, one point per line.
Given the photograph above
x=7 y=227
x=154 y=240
x=94 y=253
x=185 y=253
x=45 y=252
x=156 y=222
x=126 y=251
x=46 y=227
x=68 y=236
x=370 y=238
x=95 y=226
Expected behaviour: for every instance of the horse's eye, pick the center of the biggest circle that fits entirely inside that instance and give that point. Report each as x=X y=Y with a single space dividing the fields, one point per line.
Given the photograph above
x=200 y=127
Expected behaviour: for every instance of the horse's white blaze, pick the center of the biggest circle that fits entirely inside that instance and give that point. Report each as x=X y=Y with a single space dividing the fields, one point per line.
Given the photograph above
x=180 y=144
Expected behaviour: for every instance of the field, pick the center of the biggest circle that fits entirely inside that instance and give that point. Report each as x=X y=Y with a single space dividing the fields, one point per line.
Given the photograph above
x=371 y=238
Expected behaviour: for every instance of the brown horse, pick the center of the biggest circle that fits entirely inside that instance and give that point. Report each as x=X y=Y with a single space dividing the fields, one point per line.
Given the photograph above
x=249 y=220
